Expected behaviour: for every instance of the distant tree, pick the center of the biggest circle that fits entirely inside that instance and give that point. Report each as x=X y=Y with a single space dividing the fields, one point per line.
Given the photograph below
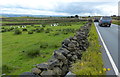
x=114 y=15
x=76 y=16
x=72 y=16
x=88 y=16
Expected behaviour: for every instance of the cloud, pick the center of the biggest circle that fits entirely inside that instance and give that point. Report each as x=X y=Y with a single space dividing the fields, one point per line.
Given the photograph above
x=110 y=9
x=30 y=11
x=59 y=7
x=76 y=8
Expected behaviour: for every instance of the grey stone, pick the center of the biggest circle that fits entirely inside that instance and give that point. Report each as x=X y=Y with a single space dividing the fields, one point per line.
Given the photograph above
x=75 y=38
x=59 y=55
x=70 y=49
x=70 y=62
x=65 y=61
x=64 y=46
x=71 y=45
x=64 y=51
x=75 y=57
x=78 y=53
x=64 y=69
x=66 y=42
x=73 y=53
x=54 y=63
x=75 y=42
x=57 y=71
x=83 y=41
x=47 y=73
x=36 y=71
x=43 y=66
x=69 y=56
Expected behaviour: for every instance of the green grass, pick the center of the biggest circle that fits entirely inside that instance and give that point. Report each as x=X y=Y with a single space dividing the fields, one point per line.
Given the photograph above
x=116 y=22
x=91 y=62
x=21 y=21
x=21 y=52
x=35 y=20
x=0 y=54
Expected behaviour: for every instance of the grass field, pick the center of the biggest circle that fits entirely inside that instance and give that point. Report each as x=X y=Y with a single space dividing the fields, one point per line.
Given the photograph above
x=21 y=52
x=35 y=20
x=0 y=54
x=117 y=22
x=91 y=62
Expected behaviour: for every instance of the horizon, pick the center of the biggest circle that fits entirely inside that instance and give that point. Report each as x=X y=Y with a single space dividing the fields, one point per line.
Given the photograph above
x=32 y=15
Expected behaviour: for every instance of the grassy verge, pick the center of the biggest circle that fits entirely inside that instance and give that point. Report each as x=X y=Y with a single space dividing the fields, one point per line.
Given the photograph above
x=20 y=52
x=0 y=54
x=116 y=22
x=91 y=62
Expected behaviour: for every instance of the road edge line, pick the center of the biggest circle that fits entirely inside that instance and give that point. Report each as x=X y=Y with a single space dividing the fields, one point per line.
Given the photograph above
x=108 y=53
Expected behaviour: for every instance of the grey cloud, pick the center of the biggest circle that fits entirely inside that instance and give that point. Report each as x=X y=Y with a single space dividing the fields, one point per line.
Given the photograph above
x=80 y=7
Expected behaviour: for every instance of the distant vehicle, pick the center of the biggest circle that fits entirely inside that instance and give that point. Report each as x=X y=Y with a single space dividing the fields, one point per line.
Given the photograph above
x=96 y=19
x=105 y=21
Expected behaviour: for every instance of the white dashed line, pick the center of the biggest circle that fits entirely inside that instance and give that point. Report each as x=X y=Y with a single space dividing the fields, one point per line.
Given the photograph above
x=108 y=54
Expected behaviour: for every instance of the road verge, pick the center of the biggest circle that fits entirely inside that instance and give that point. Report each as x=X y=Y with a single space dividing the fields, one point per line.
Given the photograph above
x=91 y=62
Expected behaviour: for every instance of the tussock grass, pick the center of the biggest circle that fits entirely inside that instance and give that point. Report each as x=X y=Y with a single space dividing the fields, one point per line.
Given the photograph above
x=33 y=51
x=91 y=62
x=30 y=32
x=7 y=68
x=24 y=29
x=17 y=32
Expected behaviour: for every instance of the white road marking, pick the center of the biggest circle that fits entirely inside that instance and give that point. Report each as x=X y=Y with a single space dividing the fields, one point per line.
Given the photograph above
x=108 y=54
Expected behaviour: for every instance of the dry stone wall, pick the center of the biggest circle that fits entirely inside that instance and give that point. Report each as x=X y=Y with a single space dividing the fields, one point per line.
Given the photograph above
x=70 y=51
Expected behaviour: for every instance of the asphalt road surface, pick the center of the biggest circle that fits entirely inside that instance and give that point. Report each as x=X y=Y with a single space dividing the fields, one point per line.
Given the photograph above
x=109 y=39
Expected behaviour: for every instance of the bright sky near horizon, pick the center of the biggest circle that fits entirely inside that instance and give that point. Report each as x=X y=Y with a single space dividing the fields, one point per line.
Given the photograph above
x=60 y=7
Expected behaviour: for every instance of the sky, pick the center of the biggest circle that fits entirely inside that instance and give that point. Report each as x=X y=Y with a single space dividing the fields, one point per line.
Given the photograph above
x=60 y=7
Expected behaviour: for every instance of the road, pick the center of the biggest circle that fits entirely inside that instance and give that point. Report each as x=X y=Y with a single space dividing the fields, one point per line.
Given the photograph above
x=110 y=54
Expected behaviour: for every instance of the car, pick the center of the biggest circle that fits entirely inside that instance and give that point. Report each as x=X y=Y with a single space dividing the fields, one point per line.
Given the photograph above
x=105 y=21
x=96 y=19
